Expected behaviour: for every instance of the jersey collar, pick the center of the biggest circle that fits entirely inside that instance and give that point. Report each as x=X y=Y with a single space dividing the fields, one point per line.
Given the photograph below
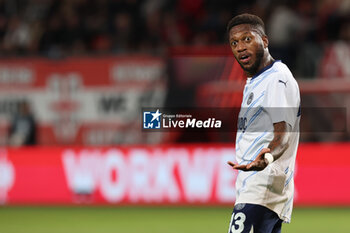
x=264 y=69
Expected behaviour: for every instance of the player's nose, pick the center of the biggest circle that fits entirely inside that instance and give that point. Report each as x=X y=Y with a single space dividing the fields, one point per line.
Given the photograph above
x=241 y=47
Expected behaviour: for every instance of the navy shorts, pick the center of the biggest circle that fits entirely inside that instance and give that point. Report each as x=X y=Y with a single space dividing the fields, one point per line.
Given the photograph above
x=250 y=218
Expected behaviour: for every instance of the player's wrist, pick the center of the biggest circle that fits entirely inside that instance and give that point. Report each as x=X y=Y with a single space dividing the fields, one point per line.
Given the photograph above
x=268 y=158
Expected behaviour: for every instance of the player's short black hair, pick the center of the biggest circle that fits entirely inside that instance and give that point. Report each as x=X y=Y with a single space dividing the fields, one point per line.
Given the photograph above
x=245 y=18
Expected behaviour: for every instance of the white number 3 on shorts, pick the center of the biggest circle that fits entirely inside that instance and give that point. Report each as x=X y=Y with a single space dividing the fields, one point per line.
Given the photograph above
x=237 y=219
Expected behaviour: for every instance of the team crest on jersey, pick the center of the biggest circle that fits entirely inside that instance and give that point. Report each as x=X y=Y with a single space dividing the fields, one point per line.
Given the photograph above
x=250 y=98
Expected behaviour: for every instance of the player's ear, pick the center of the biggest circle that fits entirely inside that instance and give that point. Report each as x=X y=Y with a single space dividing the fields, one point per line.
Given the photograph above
x=265 y=41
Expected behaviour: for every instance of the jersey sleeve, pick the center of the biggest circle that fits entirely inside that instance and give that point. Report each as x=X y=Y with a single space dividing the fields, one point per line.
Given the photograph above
x=283 y=99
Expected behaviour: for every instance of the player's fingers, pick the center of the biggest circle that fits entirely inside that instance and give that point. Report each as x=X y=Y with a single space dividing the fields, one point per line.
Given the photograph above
x=231 y=163
x=236 y=166
x=240 y=167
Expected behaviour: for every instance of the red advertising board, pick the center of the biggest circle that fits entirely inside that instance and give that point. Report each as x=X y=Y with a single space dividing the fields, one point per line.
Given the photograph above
x=82 y=101
x=172 y=174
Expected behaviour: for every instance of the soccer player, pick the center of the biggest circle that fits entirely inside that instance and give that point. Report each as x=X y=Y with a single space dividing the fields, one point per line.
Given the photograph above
x=268 y=132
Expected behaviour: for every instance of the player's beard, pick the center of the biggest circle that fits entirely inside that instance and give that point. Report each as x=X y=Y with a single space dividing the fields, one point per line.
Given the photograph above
x=258 y=59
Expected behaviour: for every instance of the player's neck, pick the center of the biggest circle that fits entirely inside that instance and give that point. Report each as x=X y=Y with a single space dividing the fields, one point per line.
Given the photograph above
x=268 y=60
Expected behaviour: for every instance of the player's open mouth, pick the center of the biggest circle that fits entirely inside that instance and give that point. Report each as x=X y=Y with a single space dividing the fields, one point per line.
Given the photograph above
x=244 y=58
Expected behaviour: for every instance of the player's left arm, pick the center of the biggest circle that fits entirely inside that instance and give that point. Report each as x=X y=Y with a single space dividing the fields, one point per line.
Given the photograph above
x=276 y=147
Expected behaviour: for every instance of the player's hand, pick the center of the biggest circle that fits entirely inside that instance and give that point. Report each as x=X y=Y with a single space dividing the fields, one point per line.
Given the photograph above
x=258 y=164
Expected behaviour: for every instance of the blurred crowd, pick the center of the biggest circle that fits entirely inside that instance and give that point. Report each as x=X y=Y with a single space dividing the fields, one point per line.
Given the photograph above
x=311 y=36
x=59 y=28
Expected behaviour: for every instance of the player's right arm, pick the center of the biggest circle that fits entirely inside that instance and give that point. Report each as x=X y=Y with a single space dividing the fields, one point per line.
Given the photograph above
x=279 y=143
x=276 y=148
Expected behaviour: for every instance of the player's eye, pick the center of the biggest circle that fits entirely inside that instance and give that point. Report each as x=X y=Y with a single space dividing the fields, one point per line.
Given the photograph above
x=233 y=43
x=248 y=38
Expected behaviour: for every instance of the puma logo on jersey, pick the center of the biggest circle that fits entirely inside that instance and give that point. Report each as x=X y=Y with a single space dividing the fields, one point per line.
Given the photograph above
x=285 y=83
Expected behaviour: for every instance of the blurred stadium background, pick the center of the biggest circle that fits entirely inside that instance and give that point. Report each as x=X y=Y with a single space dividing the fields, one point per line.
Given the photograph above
x=75 y=75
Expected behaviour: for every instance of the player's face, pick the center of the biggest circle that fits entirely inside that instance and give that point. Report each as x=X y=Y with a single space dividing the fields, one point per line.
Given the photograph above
x=248 y=47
